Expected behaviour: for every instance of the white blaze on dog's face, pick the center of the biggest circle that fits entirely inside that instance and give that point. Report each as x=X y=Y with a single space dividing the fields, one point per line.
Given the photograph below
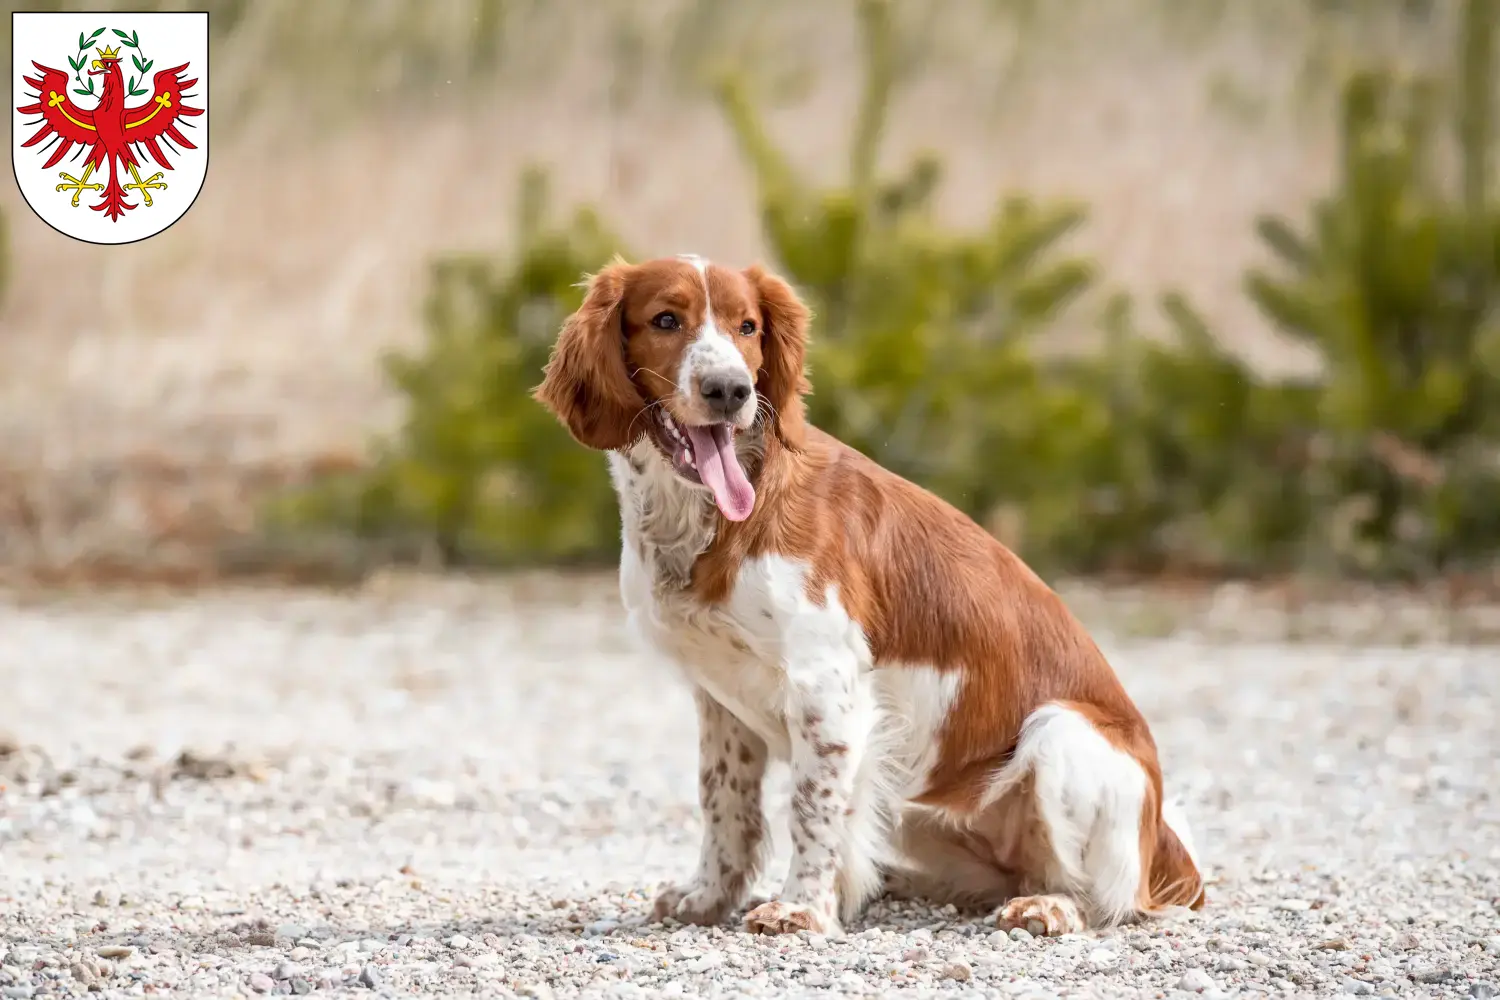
x=715 y=380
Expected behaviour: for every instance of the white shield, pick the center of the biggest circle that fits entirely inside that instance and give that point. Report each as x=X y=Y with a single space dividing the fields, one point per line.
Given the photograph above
x=109 y=119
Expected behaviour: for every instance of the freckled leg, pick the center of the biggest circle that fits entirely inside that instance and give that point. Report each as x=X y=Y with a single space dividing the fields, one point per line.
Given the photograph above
x=829 y=729
x=731 y=766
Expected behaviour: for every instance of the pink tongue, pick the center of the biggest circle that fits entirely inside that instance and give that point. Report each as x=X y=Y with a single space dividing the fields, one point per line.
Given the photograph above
x=719 y=468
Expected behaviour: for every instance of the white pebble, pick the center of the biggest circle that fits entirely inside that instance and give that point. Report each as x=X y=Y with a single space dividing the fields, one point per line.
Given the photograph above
x=1195 y=981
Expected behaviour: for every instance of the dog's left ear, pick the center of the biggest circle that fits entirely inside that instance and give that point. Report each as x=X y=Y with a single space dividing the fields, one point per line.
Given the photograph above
x=782 y=379
x=586 y=384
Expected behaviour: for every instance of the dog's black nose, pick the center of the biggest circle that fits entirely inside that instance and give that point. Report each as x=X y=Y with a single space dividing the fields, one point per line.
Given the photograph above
x=725 y=393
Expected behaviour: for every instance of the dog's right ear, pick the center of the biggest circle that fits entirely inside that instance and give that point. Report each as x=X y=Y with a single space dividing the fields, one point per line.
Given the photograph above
x=586 y=384
x=782 y=380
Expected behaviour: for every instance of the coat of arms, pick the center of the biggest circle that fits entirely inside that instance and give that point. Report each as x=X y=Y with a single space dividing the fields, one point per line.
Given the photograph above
x=113 y=148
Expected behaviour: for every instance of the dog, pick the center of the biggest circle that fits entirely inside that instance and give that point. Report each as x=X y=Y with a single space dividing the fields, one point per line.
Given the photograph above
x=952 y=732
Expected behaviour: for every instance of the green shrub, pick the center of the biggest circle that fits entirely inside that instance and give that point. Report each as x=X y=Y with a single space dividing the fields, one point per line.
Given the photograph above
x=1385 y=464
x=478 y=472
x=1394 y=285
x=1185 y=461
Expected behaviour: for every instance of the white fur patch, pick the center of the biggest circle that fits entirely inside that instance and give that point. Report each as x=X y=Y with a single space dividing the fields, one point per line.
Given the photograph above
x=914 y=702
x=1090 y=796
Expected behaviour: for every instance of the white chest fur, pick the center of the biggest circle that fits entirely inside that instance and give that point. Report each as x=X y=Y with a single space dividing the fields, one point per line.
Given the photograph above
x=732 y=650
x=741 y=651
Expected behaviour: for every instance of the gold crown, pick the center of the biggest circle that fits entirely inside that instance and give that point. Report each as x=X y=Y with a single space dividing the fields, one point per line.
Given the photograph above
x=108 y=53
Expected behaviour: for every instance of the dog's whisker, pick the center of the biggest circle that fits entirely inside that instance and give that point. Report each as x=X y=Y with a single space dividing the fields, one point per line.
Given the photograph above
x=659 y=375
x=641 y=413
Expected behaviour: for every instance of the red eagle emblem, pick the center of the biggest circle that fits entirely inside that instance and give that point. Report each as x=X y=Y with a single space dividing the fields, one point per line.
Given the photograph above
x=112 y=134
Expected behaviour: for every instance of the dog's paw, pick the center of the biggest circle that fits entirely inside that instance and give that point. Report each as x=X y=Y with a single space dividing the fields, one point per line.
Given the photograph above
x=777 y=917
x=692 y=904
x=1047 y=916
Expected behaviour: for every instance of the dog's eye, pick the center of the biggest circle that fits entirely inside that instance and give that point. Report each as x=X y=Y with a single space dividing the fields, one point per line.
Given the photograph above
x=665 y=321
x=748 y=327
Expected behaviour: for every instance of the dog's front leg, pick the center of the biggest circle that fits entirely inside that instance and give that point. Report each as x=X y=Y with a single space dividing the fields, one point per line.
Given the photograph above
x=829 y=726
x=731 y=766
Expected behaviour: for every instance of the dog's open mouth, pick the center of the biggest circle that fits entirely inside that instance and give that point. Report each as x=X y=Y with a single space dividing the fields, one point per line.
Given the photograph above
x=706 y=456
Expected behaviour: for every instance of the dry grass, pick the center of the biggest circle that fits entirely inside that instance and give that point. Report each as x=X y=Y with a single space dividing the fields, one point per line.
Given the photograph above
x=148 y=392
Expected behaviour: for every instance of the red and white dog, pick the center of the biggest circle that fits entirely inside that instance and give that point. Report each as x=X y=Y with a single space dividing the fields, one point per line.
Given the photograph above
x=949 y=725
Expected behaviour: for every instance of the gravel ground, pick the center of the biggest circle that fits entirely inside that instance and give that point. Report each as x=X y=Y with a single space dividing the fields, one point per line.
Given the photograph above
x=477 y=788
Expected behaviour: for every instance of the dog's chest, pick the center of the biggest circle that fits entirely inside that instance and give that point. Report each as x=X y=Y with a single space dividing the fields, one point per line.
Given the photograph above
x=732 y=649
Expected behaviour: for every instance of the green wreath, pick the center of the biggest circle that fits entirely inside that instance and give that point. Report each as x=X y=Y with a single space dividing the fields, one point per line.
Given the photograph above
x=86 y=42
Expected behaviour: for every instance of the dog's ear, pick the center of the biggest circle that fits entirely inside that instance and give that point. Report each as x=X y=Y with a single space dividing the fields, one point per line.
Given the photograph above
x=782 y=379
x=586 y=384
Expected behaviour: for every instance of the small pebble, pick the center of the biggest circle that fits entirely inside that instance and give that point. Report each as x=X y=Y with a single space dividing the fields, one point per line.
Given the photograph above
x=458 y=942
x=1195 y=981
x=261 y=983
x=958 y=971
x=369 y=978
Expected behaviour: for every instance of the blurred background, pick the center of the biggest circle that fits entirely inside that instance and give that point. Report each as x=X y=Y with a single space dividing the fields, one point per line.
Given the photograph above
x=1195 y=288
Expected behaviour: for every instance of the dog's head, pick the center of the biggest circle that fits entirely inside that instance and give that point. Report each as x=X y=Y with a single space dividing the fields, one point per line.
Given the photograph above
x=690 y=355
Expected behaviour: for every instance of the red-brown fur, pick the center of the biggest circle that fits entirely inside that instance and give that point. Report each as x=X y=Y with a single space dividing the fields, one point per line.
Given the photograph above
x=926 y=583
